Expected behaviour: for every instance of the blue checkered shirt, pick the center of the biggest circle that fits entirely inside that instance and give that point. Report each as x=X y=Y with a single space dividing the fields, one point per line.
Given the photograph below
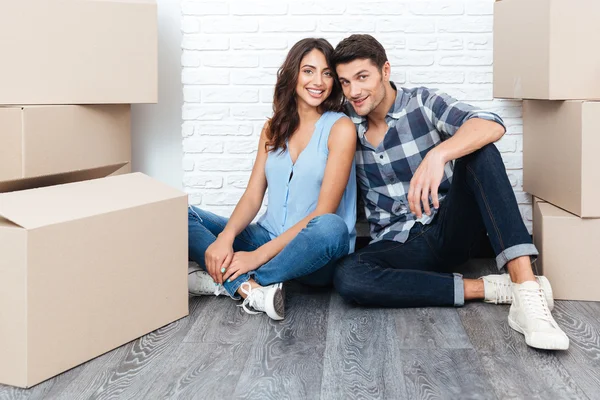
x=419 y=120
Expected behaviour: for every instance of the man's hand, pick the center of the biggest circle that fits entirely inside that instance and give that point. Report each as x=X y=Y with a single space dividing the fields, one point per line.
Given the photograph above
x=218 y=256
x=242 y=262
x=426 y=181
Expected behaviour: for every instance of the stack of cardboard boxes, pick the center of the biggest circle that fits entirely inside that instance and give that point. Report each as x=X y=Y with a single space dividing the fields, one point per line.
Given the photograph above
x=545 y=52
x=88 y=261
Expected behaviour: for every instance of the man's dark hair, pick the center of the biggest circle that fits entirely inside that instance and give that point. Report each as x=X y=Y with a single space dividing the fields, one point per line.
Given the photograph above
x=359 y=47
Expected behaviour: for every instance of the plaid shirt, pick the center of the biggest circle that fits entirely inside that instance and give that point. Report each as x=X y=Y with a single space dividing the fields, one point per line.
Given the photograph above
x=419 y=120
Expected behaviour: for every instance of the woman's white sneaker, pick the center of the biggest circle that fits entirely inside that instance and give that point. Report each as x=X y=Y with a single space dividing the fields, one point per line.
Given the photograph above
x=200 y=283
x=268 y=299
x=498 y=289
x=529 y=314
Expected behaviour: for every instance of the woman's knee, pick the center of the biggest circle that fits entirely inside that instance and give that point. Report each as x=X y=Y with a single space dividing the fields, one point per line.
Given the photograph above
x=331 y=226
x=332 y=230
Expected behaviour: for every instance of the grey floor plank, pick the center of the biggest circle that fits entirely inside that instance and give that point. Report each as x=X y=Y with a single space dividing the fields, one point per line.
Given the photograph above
x=69 y=385
x=286 y=359
x=445 y=374
x=362 y=358
x=200 y=371
x=430 y=328
x=581 y=322
x=222 y=321
x=516 y=371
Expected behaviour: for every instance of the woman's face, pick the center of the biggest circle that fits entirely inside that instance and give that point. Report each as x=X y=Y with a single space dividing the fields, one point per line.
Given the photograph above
x=315 y=79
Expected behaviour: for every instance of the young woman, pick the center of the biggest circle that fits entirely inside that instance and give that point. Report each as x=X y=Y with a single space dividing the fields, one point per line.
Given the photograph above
x=305 y=158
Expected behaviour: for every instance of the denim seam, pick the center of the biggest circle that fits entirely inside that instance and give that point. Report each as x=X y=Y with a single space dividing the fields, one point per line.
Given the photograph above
x=487 y=206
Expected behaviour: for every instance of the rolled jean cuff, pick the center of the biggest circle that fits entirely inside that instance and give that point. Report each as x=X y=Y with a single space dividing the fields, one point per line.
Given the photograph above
x=233 y=287
x=519 y=250
x=459 y=291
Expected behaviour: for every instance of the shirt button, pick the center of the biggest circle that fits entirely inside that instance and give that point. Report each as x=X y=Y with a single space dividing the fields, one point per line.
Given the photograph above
x=381 y=156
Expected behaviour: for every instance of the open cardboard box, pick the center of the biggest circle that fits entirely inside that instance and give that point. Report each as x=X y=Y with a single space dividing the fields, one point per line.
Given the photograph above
x=87 y=267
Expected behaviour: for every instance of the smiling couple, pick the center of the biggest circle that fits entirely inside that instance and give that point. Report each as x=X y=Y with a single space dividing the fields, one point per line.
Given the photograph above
x=431 y=179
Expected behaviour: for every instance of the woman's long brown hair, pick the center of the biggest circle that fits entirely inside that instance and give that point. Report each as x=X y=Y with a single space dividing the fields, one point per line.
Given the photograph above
x=285 y=118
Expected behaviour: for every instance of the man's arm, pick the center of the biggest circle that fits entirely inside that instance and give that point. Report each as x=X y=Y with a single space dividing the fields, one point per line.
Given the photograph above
x=465 y=130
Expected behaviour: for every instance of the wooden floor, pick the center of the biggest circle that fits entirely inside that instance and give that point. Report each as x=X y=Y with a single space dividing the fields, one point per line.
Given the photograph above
x=326 y=349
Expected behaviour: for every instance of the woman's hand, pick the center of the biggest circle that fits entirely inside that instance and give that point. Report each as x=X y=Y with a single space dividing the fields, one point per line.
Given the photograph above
x=242 y=262
x=218 y=256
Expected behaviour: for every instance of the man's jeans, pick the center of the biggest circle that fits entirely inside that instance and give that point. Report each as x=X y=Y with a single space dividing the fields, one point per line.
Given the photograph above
x=418 y=273
x=308 y=258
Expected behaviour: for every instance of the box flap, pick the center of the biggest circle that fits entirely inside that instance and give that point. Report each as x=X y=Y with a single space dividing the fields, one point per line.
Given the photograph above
x=35 y=208
x=550 y=210
x=59 y=179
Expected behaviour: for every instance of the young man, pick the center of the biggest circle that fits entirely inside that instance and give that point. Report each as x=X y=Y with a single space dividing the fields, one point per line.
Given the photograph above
x=432 y=182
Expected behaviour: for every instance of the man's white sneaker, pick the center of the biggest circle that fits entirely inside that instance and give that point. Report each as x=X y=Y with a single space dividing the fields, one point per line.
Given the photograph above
x=529 y=314
x=268 y=299
x=200 y=283
x=498 y=289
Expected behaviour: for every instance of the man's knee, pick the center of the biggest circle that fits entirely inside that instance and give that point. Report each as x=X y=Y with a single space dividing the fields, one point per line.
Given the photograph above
x=489 y=155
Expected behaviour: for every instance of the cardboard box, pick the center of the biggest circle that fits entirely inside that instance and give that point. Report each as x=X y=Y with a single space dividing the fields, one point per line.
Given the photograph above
x=569 y=252
x=561 y=144
x=543 y=49
x=125 y=169
x=87 y=267
x=78 y=52
x=39 y=141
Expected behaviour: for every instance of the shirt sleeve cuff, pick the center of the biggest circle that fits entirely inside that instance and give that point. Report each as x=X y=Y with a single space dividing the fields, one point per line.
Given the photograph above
x=487 y=115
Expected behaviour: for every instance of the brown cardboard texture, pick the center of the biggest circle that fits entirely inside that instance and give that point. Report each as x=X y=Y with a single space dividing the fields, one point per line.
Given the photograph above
x=125 y=169
x=87 y=267
x=561 y=143
x=78 y=52
x=542 y=49
x=569 y=252
x=40 y=141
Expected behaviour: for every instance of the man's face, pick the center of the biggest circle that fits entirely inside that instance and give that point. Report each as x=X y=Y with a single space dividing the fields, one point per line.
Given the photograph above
x=363 y=84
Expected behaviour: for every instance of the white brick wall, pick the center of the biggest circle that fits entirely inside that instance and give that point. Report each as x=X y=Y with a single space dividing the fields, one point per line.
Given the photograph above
x=232 y=49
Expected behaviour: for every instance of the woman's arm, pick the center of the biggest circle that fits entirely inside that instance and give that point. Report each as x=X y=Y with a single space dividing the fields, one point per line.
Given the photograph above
x=342 y=146
x=220 y=253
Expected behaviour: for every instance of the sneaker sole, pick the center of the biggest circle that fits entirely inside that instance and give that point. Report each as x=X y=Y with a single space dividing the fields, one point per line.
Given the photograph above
x=541 y=344
x=277 y=298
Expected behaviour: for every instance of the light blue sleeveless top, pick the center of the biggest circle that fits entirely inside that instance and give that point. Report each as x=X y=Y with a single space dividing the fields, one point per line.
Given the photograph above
x=289 y=201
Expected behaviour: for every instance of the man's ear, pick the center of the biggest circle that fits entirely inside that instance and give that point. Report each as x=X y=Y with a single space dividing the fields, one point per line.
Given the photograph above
x=386 y=71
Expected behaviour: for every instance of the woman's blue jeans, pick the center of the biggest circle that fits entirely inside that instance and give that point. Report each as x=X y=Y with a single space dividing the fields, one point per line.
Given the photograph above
x=309 y=257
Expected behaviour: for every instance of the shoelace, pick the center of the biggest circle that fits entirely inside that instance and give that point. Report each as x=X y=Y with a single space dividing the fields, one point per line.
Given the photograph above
x=250 y=299
x=535 y=304
x=219 y=290
x=503 y=292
